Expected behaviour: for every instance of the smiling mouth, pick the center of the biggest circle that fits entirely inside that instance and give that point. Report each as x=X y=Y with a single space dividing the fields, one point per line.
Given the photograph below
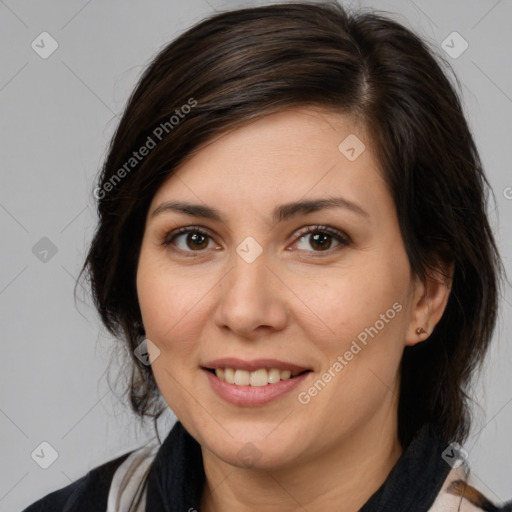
x=256 y=378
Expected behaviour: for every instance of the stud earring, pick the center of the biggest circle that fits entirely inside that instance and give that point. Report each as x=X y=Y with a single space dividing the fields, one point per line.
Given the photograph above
x=420 y=330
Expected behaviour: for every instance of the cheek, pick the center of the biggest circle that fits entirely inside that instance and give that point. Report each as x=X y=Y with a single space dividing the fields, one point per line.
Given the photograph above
x=364 y=303
x=170 y=321
x=366 y=311
x=356 y=297
x=175 y=306
x=165 y=307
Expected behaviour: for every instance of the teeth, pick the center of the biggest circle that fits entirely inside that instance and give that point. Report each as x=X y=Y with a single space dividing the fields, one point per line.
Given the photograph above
x=274 y=375
x=260 y=377
x=229 y=375
x=241 y=378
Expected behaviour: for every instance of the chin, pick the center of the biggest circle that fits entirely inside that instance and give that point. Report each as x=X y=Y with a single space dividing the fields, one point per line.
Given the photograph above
x=255 y=451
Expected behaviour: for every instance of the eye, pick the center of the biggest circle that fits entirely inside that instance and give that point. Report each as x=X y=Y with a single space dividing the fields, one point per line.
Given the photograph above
x=193 y=239
x=321 y=237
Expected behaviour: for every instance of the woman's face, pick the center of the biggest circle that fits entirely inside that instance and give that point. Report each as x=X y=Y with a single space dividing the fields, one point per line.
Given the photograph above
x=254 y=287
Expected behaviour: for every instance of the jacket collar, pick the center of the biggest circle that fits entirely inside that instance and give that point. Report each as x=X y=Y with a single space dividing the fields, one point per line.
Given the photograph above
x=417 y=477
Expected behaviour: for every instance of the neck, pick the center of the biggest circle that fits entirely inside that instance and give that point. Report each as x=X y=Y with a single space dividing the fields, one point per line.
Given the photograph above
x=341 y=479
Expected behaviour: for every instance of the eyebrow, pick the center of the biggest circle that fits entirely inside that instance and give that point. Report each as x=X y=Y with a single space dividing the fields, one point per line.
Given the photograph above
x=280 y=213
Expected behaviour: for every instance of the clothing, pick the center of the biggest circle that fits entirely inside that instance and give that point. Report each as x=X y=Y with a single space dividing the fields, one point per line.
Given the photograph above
x=170 y=478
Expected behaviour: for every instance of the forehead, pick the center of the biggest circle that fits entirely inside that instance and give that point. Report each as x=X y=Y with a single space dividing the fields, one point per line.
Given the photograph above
x=289 y=155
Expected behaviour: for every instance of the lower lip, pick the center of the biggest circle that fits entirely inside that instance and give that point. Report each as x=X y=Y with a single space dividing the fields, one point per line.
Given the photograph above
x=248 y=396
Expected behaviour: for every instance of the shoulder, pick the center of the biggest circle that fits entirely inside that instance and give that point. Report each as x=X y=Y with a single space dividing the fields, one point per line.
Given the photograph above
x=91 y=491
x=460 y=492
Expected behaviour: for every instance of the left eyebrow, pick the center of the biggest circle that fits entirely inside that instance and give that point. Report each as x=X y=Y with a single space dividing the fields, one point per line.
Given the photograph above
x=280 y=213
x=289 y=210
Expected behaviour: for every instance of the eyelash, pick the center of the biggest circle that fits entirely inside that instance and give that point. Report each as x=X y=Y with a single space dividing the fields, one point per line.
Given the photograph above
x=338 y=235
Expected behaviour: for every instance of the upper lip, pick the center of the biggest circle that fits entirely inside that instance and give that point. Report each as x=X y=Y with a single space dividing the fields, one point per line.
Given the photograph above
x=255 y=364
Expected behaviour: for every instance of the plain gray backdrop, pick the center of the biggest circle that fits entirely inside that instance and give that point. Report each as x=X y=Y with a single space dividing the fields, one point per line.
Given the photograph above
x=57 y=115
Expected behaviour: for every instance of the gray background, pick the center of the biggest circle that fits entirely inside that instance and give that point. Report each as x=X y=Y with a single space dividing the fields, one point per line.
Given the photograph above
x=57 y=115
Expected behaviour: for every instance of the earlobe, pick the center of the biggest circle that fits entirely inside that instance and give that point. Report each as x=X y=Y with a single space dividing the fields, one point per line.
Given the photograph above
x=430 y=300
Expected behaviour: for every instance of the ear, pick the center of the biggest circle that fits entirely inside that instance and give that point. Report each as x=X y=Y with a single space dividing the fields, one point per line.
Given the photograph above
x=430 y=297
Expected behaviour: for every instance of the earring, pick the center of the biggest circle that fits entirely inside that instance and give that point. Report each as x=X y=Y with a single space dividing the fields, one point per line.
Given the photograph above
x=420 y=330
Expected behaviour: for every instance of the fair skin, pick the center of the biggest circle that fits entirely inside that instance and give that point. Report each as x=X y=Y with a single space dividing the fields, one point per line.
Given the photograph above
x=299 y=301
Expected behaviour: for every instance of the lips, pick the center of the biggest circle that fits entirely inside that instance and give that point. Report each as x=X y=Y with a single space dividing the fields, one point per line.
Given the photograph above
x=253 y=394
x=255 y=382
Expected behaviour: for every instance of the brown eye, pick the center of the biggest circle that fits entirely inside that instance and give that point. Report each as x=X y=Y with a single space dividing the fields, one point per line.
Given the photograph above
x=320 y=238
x=188 y=239
x=318 y=241
x=196 y=241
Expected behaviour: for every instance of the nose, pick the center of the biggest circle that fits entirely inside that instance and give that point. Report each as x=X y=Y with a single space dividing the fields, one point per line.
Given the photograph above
x=251 y=299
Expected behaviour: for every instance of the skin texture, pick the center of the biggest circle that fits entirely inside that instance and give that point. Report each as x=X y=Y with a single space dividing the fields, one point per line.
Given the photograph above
x=299 y=301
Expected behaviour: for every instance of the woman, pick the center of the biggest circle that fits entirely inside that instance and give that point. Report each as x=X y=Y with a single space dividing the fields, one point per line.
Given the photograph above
x=293 y=243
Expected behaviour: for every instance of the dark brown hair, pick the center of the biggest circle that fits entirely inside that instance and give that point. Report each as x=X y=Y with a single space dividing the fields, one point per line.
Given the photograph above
x=238 y=66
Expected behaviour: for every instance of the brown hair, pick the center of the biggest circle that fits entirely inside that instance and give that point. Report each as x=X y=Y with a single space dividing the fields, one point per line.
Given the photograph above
x=240 y=65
